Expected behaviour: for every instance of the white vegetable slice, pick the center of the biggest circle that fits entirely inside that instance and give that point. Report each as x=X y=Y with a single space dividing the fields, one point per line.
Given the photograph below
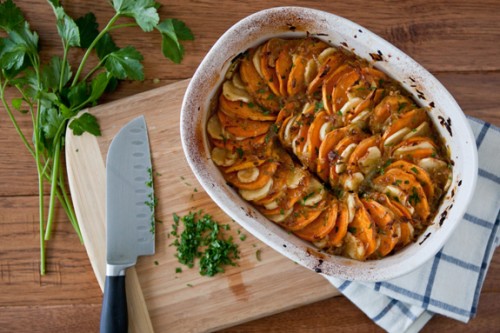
x=361 y=118
x=350 y=105
x=261 y=193
x=324 y=130
x=315 y=193
x=295 y=177
x=222 y=157
x=422 y=130
x=272 y=205
x=370 y=160
x=256 y=60
x=238 y=83
x=396 y=137
x=248 y=175
x=286 y=135
x=310 y=71
x=406 y=149
x=214 y=128
x=353 y=181
x=430 y=164
x=341 y=165
x=234 y=94
x=354 y=248
x=278 y=218
x=351 y=206
x=325 y=54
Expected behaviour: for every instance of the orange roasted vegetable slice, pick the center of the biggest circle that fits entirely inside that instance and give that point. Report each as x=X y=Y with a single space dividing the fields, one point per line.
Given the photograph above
x=326 y=154
x=313 y=139
x=268 y=56
x=320 y=227
x=243 y=110
x=386 y=229
x=330 y=83
x=339 y=94
x=338 y=232
x=325 y=72
x=302 y=216
x=409 y=120
x=296 y=78
x=414 y=149
x=243 y=128
x=362 y=227
x=284 y=65
x=246 y=145
x=256 y=85
x=420 y=174
x=389 y=105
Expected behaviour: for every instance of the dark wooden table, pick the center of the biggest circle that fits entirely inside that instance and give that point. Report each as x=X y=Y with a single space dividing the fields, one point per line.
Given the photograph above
x=458 y=41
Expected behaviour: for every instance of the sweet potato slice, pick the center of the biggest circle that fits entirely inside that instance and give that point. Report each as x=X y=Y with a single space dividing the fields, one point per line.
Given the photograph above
x=409 y=120
x=249 y=144
x=329 y=85
x=256 y=85
x=362 y=227
x=268 y=57
x=389 y=105
x=313 y=138
x=283 y=67
x=296 y=80
x=360 y=151
x=339 y=94
x=325 y=72
x=414 y=149
x=243 y=128
x=387 y=230
x=243 y=110
x=326 y=153
x=302 y=216
x=322 y=226
x=338 y=232
x=420 y=174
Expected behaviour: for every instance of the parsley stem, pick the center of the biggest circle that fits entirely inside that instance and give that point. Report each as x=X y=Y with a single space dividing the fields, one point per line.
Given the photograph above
x=92 y=71
x=13 y=119
x=63 y=67
x=54 y=178
x=126 y=25
x=92 y=45
x=67 y=205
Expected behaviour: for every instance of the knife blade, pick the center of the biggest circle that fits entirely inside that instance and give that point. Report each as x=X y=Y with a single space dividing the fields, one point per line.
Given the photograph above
x=129 y=217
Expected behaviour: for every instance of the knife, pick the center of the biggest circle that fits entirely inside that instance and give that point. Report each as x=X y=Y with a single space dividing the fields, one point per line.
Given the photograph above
x=129 y=217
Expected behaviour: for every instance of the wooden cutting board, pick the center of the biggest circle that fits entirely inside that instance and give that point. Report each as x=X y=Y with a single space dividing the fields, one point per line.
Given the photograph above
x=159 y=298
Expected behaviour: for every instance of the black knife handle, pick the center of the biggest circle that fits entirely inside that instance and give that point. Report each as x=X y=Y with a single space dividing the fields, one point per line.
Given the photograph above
x=114 y=317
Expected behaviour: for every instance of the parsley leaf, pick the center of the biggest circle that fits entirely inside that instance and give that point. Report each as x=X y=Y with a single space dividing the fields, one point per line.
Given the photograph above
x=20 y=44
x=99 y=85
x=51 y=74
x=85 y=123
x=143 y=11
x=66 y=26
x=78 y=94
x=125 y=63
x=10 y=16
x=87 y=27
x=105 y=46
x=172 y=31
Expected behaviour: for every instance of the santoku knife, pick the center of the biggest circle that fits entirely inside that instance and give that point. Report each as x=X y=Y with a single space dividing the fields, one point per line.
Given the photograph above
x=129 y=217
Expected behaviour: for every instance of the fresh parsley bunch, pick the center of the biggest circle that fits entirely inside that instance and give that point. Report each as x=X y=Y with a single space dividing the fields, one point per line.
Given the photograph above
x=52 y=94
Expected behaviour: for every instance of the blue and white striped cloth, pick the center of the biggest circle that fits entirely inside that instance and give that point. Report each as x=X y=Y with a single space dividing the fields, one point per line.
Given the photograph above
x=450 y=283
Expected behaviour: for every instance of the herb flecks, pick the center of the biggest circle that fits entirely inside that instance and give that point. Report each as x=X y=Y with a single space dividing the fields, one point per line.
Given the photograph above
x=203 y=238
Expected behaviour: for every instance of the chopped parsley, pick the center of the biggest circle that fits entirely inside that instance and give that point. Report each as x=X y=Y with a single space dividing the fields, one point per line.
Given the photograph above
x=203 y=239
x=414 y=197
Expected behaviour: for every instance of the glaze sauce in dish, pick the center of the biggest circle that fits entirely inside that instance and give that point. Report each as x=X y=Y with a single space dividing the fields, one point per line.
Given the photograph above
x=328 y=147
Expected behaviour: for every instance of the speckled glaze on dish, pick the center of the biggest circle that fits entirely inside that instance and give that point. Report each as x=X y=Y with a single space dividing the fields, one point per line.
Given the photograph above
x=445 y=112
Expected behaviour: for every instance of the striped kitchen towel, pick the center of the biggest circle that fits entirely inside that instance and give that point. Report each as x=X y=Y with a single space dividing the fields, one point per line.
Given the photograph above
x=450 y=283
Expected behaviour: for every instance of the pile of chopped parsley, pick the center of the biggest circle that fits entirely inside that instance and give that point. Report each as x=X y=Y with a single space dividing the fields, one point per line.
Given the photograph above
x=203 y=238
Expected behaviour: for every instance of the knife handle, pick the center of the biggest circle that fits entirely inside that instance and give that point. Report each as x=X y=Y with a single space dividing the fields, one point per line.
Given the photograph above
x=114 y=317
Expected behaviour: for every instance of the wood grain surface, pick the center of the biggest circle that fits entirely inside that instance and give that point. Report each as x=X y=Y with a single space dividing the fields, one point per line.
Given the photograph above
x=458 y=41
